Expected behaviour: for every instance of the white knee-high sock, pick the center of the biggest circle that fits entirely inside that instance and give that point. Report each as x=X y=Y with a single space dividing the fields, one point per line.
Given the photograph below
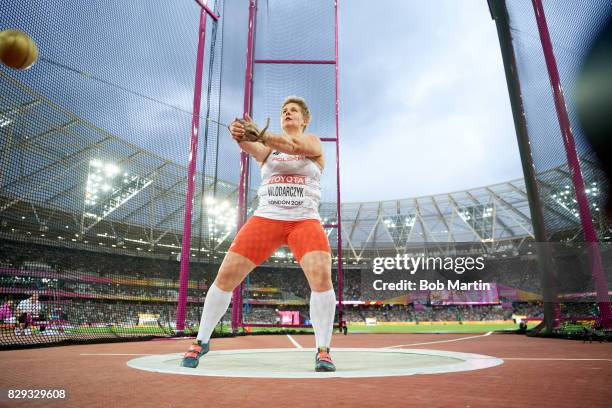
x=215 y=306
x=322 y=311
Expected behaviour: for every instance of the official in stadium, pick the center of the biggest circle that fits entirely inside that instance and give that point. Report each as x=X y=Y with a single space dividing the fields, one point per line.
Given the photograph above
x=27 y=311
x=288 y=213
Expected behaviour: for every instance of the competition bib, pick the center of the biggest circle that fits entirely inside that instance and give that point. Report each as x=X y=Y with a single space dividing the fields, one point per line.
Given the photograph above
x=286 y=190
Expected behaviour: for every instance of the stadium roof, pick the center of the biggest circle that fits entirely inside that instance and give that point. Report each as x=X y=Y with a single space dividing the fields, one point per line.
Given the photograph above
x=65 y=178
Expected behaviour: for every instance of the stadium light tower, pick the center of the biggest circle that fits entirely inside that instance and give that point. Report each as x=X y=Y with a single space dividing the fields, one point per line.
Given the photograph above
x=481 y=219
x=565 y=198
x=4 y=121
x=221 y=219
x=107 y=189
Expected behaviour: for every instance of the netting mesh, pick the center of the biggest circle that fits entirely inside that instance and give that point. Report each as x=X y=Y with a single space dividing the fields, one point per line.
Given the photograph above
x=302 y=31
x=94 y=150
x=94 y=146
x=570 y=43
x=572 y=26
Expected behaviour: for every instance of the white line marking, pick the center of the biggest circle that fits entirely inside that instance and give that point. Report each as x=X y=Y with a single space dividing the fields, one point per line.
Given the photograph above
x=114 y=354
x=295 y=343
x=555 y=359
x=440 y=341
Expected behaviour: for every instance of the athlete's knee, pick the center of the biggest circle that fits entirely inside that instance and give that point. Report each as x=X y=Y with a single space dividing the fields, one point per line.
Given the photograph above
x=321 y=281
x=233 y=270
x=226 y=282
x=316 y=260
x=229 y=277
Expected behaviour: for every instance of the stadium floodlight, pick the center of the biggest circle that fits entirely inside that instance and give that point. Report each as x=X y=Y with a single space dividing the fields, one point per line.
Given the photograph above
x=399 y=226
x=221 y=217
x=389 y=223
x=409 y=221
x=565 y=198
x=465 y=215
x=4 y=121
x=399 y=221
x=111 y=170
x=108 y=188
x=480 y=218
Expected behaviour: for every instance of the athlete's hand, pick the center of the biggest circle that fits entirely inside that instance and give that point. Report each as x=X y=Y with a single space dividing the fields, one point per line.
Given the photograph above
x=251 y=130
x=236 y=128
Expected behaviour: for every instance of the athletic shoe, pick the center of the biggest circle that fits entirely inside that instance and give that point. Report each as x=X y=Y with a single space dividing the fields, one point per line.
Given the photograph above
x=192 y=356
x=323 y=362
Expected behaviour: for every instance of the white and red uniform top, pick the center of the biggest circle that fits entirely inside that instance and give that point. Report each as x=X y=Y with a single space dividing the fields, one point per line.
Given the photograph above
x=290 y=188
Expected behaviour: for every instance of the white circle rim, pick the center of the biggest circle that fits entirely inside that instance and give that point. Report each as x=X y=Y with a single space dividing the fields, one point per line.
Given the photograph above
x=155 y=363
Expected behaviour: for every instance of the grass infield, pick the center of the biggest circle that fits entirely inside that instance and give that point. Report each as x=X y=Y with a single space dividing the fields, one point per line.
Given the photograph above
x=434 y=327
x=352 y=328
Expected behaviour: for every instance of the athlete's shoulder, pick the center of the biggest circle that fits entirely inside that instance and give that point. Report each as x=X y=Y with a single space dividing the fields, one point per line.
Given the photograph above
x=312 y=136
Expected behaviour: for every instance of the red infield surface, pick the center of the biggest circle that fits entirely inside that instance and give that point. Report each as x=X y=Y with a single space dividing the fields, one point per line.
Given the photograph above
x=536 y=372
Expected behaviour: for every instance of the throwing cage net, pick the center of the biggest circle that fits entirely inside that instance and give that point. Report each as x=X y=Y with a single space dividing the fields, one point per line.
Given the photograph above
x=306 y=66
x=95 y=148
x=120 y=185
x=544 y=45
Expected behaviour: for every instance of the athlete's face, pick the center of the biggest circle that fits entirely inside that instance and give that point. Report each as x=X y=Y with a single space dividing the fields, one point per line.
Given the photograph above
x=292 y=117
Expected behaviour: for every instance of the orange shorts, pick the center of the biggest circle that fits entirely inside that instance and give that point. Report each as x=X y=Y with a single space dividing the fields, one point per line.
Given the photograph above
x=260 y=237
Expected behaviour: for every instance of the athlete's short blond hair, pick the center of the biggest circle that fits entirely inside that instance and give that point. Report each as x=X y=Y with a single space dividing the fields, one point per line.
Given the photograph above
x=301 y=102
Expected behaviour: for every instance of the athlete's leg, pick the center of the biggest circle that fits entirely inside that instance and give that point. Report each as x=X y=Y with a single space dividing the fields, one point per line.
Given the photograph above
x=233 y=270
x=310 y=246
x=255 y=242
x=317 y=268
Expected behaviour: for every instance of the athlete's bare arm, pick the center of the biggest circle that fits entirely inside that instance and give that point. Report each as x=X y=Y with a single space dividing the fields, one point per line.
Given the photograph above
x=255 y=149
x=307 y=145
